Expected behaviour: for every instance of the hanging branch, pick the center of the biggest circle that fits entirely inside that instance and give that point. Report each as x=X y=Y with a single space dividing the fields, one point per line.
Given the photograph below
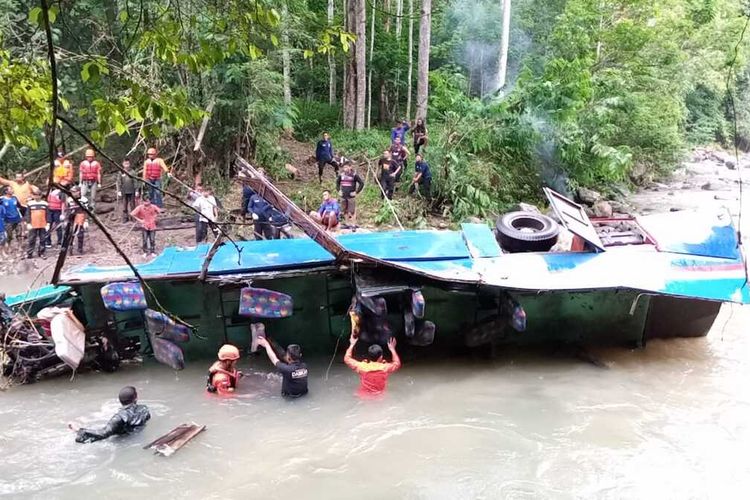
x=52 y=128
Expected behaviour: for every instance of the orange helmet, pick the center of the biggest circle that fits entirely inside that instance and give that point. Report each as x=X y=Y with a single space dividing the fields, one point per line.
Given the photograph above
x=151 y=151
x=89 y=153
x=229 y=352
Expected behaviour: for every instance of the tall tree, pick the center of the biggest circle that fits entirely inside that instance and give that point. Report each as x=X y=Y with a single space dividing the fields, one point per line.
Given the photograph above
x=331 y=62
x=285 y=56
x=423 y=62
x=369 y=74
x=360 y=49
x=504 y=41
x=350 y=69
x=410 y=71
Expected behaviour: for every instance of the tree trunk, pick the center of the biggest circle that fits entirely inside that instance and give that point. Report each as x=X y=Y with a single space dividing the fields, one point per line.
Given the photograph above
x=423 y=63
x=350 y=75
x=410 y=71
x=285 y=56
x=360 y=49
x=369 y=75
x=331 y=62
x=399 y=15
x=504 y=40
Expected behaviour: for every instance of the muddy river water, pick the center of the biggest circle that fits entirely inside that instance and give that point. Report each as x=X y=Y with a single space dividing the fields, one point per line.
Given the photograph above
x=671 y=420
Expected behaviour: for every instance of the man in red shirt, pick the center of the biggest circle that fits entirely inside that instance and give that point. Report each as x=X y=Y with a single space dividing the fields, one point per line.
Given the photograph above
x=145 y=214
x=374 y=371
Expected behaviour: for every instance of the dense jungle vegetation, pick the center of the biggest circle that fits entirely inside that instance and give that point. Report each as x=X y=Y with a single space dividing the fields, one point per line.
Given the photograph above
x=585 y=92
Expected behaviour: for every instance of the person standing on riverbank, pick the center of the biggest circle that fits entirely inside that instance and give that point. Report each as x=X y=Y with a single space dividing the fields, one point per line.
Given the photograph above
x=293 y=370
x=11 y=215
x=153 y=169
x=349 y=184
x=77 y=216
x=324 y=155
x=129 y=418
x=374 y=371
x=21 y=189
x=399 y=131
x=419 y=133
x=399 y=156
x=63 y=170
x=128 y=189
x=36 y=224
x=146 y=214
x=90 y=177
x=422 y=178
x=55 y=205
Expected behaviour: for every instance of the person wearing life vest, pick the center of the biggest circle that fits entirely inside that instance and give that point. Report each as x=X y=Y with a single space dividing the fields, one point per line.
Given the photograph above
x=349 y=184
x=223 y=376
x=153 y=169
x=76 y=216
x=55 y=205
x=36 y=223
x=90 y=177
x=63 y=170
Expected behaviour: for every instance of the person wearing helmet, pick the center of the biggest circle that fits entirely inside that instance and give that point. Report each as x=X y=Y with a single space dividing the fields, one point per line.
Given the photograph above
x=63 y=168
x=90 y=177
x=153 y=169
x=223 y=376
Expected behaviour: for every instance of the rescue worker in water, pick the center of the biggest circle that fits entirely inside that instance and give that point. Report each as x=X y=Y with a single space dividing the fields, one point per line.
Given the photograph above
x=223 y=376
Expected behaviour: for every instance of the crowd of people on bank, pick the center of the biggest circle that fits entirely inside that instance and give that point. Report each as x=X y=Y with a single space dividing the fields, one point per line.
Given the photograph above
x=392 y=165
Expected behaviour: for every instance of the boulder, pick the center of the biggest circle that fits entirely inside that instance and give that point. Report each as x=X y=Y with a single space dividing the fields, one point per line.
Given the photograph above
x=293 y=171
x=107 y=198
x=588 y=196
x=619 y=207
x=473 y=220
x=708 y=187
x=602 y=208
x=103 y=209
x=589 y=212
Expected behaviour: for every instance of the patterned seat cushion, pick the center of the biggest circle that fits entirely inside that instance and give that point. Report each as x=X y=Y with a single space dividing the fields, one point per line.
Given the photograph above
x=165 y=327
x=262 y=303
x=167 y=352
x=126 y=296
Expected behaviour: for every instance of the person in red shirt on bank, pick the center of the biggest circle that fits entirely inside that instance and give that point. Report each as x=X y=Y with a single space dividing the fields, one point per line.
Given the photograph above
x=374 y=371
x=145 y=214
x=90 y=177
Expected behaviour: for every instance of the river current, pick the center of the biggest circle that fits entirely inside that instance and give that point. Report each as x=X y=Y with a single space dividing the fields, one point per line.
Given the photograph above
x=666 y=421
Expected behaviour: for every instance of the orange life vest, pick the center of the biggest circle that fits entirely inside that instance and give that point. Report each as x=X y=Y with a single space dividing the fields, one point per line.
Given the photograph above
x=37 y=214
x=90 y=170
x=54 y=200
x=153 y=170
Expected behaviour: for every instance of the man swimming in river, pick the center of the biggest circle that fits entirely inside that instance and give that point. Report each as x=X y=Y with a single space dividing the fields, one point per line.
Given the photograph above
x=374 y=370
x=130 y=417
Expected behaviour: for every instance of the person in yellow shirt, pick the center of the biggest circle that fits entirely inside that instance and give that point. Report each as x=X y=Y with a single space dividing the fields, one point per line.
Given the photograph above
x=21 y=189
x=63 y=168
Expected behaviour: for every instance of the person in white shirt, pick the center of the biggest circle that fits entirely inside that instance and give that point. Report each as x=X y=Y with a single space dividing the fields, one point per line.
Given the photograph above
x=205 y=203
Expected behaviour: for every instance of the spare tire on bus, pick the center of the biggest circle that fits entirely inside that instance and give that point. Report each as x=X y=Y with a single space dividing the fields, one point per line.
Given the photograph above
x=526 y=232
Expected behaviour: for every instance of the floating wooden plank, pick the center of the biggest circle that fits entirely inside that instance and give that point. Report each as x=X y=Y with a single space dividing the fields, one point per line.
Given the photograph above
x=175 y=439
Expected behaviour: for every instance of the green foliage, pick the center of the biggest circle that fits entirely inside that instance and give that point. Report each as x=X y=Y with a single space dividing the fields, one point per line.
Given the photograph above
x=25 y=100
x=313 y=117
